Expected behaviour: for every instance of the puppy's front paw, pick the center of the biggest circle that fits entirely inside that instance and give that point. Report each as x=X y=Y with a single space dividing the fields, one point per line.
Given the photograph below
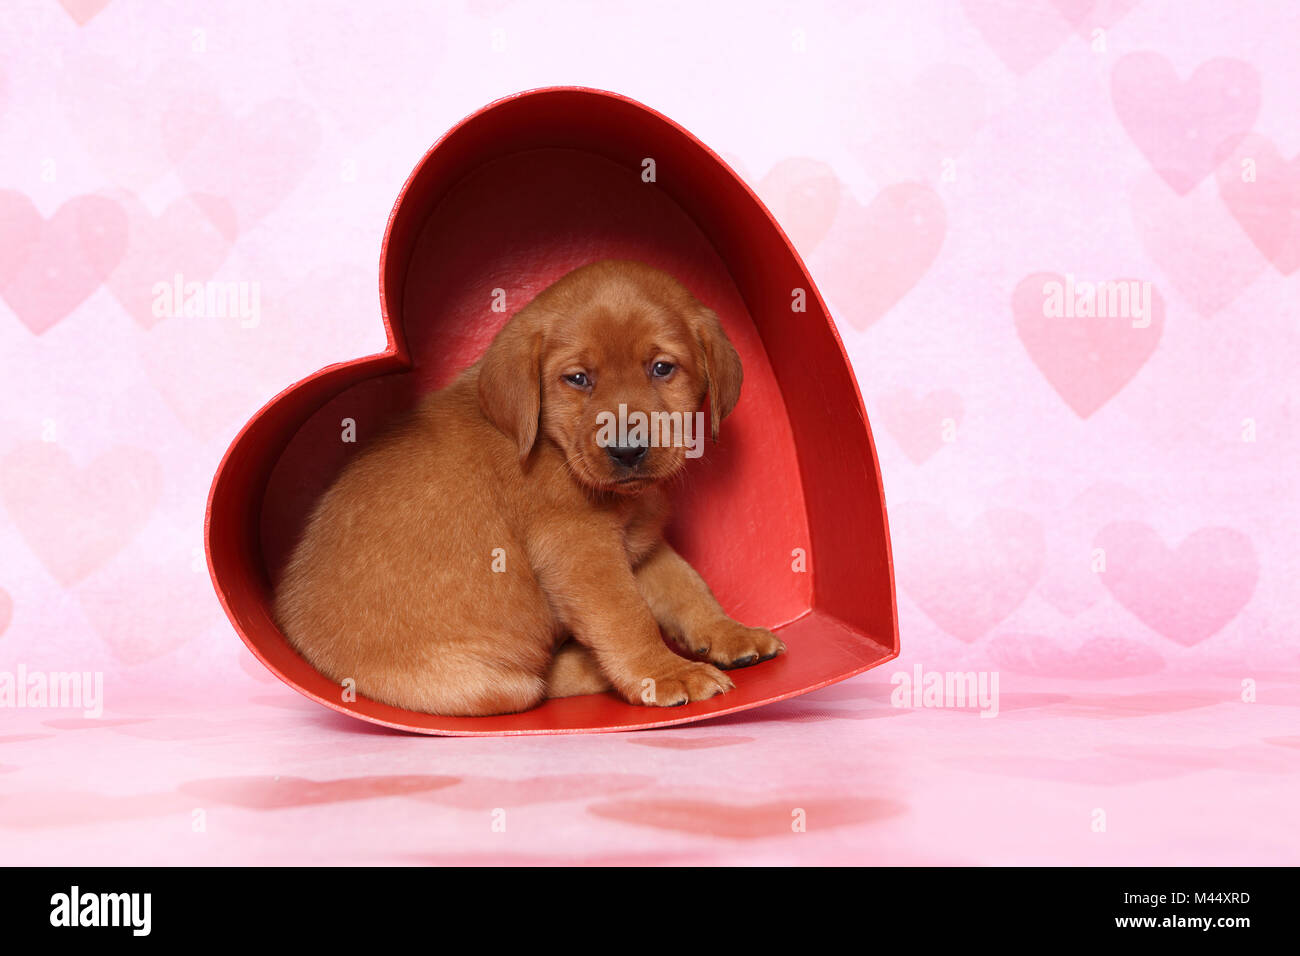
x=681 y=683
x=731 y=645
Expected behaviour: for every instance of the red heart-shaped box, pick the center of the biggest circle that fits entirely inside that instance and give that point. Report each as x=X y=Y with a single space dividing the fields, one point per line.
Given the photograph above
x=784 y=517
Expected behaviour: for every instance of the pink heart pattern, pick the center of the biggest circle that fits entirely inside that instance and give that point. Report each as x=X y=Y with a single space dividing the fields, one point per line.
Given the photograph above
x=48 y=267
x=1069 y=582
x=738 y=821
x=1264 y=198
x=117 y=107
x=967 y=580
x=251 y=162
x=286 y=793
x=76 y=518
x=182 y=240
x=875 y=254
x=919 y=424
x=1191 y=239
x=1023 y=33
x=1087 y=360
x=804 y=195
x=1188 y=593
x=1185 y=128
x=83 y=11
x=230 y=146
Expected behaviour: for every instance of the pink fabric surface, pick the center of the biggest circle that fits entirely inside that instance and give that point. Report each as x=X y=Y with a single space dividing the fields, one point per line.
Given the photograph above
x=1101 y=516
x=1182 y=772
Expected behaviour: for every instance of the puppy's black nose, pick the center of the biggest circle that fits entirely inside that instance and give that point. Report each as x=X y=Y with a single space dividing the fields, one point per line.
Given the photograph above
x=629 y=456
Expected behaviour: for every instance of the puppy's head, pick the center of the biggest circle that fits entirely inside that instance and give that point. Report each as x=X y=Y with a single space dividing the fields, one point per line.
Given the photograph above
x=611 y=363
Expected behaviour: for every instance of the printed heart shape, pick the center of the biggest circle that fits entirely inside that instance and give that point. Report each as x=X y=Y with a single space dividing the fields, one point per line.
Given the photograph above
x=1186 y=594
x=147 y=584
x=76 y=519
x=181 y=241
x=1184 y=129
x=875 y=254
x=1193 y=240
x=1069 y=583
x=1089 y=15
x=1023 y=33
x=738 y=821
x=968 y=580
x=83 y=11
x=803 y=195
x=251 y=162
x=117 y=108
x=211 y=370
x=281 y=793
x=200 y=367
x=919 y=424
x=48 y=267
x=1088 y=360
x=582 y=175
x=1266 y=205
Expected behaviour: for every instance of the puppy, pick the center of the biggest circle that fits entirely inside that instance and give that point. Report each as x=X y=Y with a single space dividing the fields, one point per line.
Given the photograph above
x=496 y=548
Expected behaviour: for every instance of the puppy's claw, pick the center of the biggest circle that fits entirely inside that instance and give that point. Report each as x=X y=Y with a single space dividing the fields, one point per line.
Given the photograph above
x=741 y=662
x=684 y=682
x=732 y=645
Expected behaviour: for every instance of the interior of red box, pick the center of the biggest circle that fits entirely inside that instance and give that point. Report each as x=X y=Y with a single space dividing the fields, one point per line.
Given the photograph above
x=783 y=517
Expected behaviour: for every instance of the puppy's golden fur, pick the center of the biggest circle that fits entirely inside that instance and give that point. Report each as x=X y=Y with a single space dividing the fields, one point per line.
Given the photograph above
x=488 y=552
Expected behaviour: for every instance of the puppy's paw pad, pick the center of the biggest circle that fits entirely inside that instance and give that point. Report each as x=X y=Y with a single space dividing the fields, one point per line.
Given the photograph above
x=730 y=645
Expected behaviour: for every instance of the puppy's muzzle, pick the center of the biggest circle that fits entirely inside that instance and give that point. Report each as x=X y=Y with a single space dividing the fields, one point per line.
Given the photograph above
x=627 y=456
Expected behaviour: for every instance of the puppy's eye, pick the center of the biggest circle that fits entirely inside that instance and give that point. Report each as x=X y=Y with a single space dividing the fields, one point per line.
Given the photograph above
x=578 y=380
x=662 y=369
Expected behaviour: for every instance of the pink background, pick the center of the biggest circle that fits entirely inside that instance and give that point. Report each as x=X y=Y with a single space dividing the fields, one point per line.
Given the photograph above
x=266 y=142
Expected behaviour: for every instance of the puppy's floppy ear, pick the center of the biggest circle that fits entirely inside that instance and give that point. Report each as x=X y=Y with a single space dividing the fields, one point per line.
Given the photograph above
x=510 y=382
x=722 y=369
